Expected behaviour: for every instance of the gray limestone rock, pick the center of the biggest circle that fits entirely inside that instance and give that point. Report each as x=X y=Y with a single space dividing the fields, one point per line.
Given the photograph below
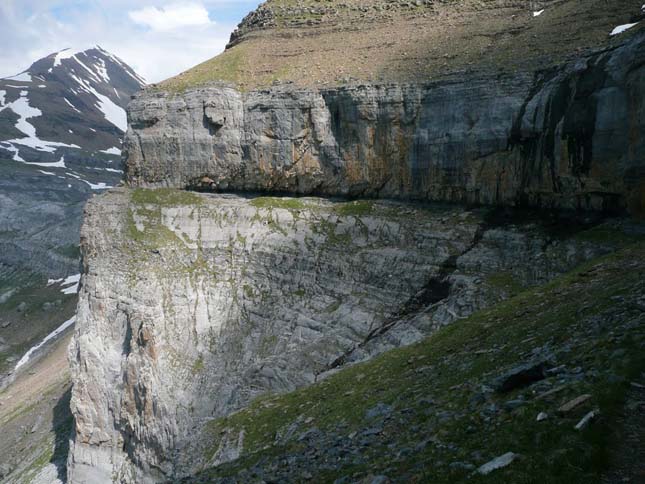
x=193 y=304
x=565 y=137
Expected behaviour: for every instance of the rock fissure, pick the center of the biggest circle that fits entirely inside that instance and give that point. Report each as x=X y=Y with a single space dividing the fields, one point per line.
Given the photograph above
x=436 y=290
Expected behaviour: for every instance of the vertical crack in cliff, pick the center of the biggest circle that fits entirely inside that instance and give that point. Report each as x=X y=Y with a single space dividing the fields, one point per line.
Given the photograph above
x=127 y=341
x=563 y=132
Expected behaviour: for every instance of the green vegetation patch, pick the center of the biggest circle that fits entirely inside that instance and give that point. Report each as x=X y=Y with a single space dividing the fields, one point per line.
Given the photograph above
x=144 y=224
x=165 y=197
x=506 y=281
x=226 y=67
x=198 y=365
x=357 y=208
x=606 y=234
x=279 y=202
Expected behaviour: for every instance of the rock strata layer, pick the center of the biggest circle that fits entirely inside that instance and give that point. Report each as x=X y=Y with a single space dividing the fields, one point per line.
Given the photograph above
x=569 y=137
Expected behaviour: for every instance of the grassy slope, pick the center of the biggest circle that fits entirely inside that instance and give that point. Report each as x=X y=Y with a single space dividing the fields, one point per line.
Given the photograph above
x=35 y=420
x=587 y=320
x=409 y=44
x=31 y=324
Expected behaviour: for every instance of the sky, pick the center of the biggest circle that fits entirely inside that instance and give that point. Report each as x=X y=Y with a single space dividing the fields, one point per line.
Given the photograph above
x=157 y=38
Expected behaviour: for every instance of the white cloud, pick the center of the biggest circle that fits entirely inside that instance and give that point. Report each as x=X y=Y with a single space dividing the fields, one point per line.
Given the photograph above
x=156 y=49
x=171 y=17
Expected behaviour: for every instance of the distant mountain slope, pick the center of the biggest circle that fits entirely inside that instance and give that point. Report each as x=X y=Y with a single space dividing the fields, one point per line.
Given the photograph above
x=61 y=128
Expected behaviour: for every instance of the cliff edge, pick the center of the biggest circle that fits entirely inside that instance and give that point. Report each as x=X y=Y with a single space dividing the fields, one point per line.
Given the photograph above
x=563 y=134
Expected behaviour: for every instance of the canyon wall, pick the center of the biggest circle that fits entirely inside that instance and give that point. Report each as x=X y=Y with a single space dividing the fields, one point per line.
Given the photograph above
x=569 y=137
x=191 y=304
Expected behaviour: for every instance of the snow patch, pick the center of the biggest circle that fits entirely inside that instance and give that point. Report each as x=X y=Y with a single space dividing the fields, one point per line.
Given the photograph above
x=49 y=337
x=25 y=111
x=72 y=106
x=72 y=282
x=113 y=170
x=90 y=71
x=14 y=150
x=113 y=113
x=57 y=164
x=47 y=172
x=621 y=28
x=127 y=69
x=63 y=54
x=74 y=279
x=93 y=186
x=2 y=97
x=22 y=108
x=97 y=186
x=112 y=151
x=102 y=71
x=71 y=279
x=538 y=13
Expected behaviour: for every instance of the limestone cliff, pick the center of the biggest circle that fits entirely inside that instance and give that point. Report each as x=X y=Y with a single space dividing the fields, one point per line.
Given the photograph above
x=193 y=304
x=567 y=137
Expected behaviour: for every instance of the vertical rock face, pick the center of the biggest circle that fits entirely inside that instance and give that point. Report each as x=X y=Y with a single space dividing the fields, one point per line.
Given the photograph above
x=190 y=305
x=568 y=138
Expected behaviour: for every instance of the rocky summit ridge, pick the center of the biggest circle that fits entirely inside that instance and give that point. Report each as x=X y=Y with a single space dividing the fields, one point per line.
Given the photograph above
x=68 y=104
x=275 y=235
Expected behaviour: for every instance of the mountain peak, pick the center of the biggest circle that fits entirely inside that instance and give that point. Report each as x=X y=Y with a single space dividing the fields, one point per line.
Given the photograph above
x=70 y=100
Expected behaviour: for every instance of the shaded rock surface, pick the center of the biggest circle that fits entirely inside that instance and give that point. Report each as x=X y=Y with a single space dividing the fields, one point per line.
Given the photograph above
x=193 y=304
